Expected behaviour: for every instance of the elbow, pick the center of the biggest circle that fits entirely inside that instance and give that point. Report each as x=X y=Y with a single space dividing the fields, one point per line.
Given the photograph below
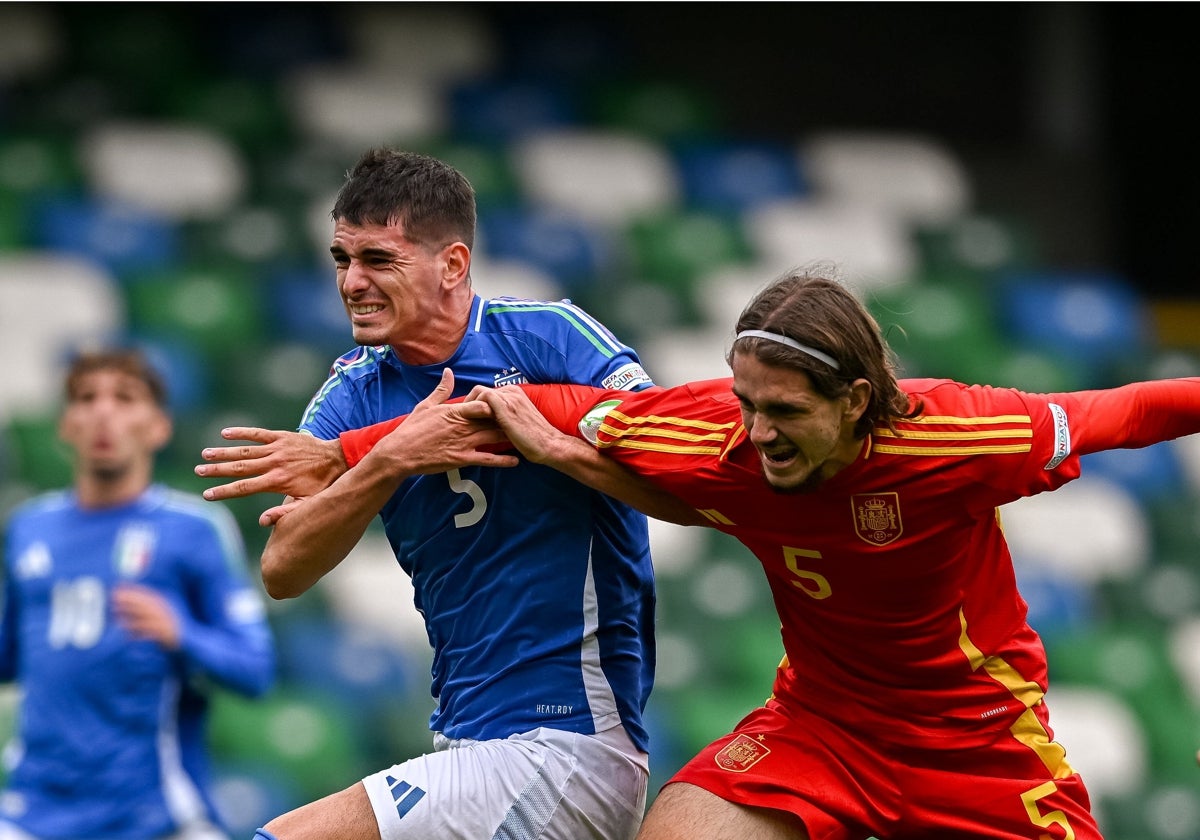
x=279 y=582
x=280 y=588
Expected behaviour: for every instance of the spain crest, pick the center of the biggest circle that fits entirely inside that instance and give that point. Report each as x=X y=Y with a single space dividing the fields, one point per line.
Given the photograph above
x=877 y=517
x=742 y=753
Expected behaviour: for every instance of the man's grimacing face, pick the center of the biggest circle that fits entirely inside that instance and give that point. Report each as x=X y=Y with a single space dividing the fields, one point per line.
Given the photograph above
x=802 y=437
x=388 y=283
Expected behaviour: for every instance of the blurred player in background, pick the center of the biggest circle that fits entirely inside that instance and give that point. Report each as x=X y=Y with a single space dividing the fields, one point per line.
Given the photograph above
x=536 y=591
x=125 y=602
x=911 y=701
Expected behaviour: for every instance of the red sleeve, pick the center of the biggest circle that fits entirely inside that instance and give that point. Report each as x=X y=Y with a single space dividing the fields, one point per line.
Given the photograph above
x=562 y=405
x=1133 y=416
x=356 y=443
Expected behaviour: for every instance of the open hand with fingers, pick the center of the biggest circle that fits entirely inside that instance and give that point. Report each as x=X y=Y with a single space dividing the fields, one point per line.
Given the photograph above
x=291 y=463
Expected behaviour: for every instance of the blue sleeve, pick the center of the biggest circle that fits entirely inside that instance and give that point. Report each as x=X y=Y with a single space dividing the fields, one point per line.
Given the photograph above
x=560 y=343
x=334 y=407
x=225 y=636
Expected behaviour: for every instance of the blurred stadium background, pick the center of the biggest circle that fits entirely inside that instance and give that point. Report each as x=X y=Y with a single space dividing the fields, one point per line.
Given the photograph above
x=1006 y=185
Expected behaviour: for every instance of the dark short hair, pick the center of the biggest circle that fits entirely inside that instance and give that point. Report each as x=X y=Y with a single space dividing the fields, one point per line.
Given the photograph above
x=432 y=200
x=124 y=360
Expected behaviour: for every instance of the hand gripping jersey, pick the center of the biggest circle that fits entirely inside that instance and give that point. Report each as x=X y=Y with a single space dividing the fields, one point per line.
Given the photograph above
x=537 y=593
x=894 y=586
x=110 y=734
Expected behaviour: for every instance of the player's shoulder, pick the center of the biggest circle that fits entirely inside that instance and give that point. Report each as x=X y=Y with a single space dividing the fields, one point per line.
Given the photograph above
x=692 y=398
x=549 y=319
x=360 y=362
x=947 y=394
x=48 y=503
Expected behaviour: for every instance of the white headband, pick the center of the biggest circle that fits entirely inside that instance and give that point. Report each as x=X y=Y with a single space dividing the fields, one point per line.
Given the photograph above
x=790 y=342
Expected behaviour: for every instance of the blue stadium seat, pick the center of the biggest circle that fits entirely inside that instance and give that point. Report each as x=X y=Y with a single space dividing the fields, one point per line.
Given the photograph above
x=306 y=307
x=185 y=367
x=118 y=236
x=361 y=668
x=1058 y=603
x=1152 y=474
x=1096 y=321
x=573 y=253
x=497 y=111
x=737 y=176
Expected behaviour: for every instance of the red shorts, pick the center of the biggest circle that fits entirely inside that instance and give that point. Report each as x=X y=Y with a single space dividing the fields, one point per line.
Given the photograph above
x=846 y=787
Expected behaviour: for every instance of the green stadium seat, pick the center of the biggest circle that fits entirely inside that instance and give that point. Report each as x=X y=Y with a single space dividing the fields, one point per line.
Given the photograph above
x=314 y=743
x=212 y=308
x=940 y=325
x=1132 y=661
x=38 y=162
x=671 y=251
x=38 y=459
x=666 y=110
x=249 y=111
x=977 y=242
x=487 y=167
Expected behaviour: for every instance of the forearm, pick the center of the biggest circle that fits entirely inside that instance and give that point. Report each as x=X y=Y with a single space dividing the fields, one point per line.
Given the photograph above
x=581 y=461
x=1136 y=415
x=309 y=543
x=238 y=658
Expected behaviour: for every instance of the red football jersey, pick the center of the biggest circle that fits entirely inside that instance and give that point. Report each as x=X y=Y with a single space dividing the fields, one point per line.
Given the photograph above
x=895 y=588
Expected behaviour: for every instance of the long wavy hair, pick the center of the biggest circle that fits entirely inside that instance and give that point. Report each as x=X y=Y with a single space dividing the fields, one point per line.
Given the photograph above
x=811 y=306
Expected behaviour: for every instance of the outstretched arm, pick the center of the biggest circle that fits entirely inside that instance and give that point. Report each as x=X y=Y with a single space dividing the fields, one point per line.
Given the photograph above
x=302 y=549
x=298 y=465
x=554 y=444
x=1135 y=415
x=527 y=427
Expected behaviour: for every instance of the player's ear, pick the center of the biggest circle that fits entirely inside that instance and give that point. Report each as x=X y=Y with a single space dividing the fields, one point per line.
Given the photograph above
x=857 y=400
x=456 y=263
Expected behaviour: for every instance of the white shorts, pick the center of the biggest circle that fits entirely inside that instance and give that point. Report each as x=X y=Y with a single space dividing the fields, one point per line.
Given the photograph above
x=546 y=784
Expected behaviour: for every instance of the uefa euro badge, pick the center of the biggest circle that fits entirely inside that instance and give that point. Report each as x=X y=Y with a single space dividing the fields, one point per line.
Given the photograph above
x=590 y=424
x=742 y=753
x=877 y=517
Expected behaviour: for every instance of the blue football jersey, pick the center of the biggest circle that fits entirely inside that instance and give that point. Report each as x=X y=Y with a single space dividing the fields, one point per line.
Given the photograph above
x=537 y=592
x=109 y=738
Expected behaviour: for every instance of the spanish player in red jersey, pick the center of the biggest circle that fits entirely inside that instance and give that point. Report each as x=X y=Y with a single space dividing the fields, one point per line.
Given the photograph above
x=911 y=702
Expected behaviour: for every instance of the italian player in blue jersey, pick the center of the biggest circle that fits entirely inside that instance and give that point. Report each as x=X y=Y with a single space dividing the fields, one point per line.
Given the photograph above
x=537 y=592
x=124 y=601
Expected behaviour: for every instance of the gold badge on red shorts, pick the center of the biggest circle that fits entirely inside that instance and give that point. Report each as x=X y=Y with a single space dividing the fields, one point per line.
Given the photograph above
x=742 y=753
x=877 y=517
